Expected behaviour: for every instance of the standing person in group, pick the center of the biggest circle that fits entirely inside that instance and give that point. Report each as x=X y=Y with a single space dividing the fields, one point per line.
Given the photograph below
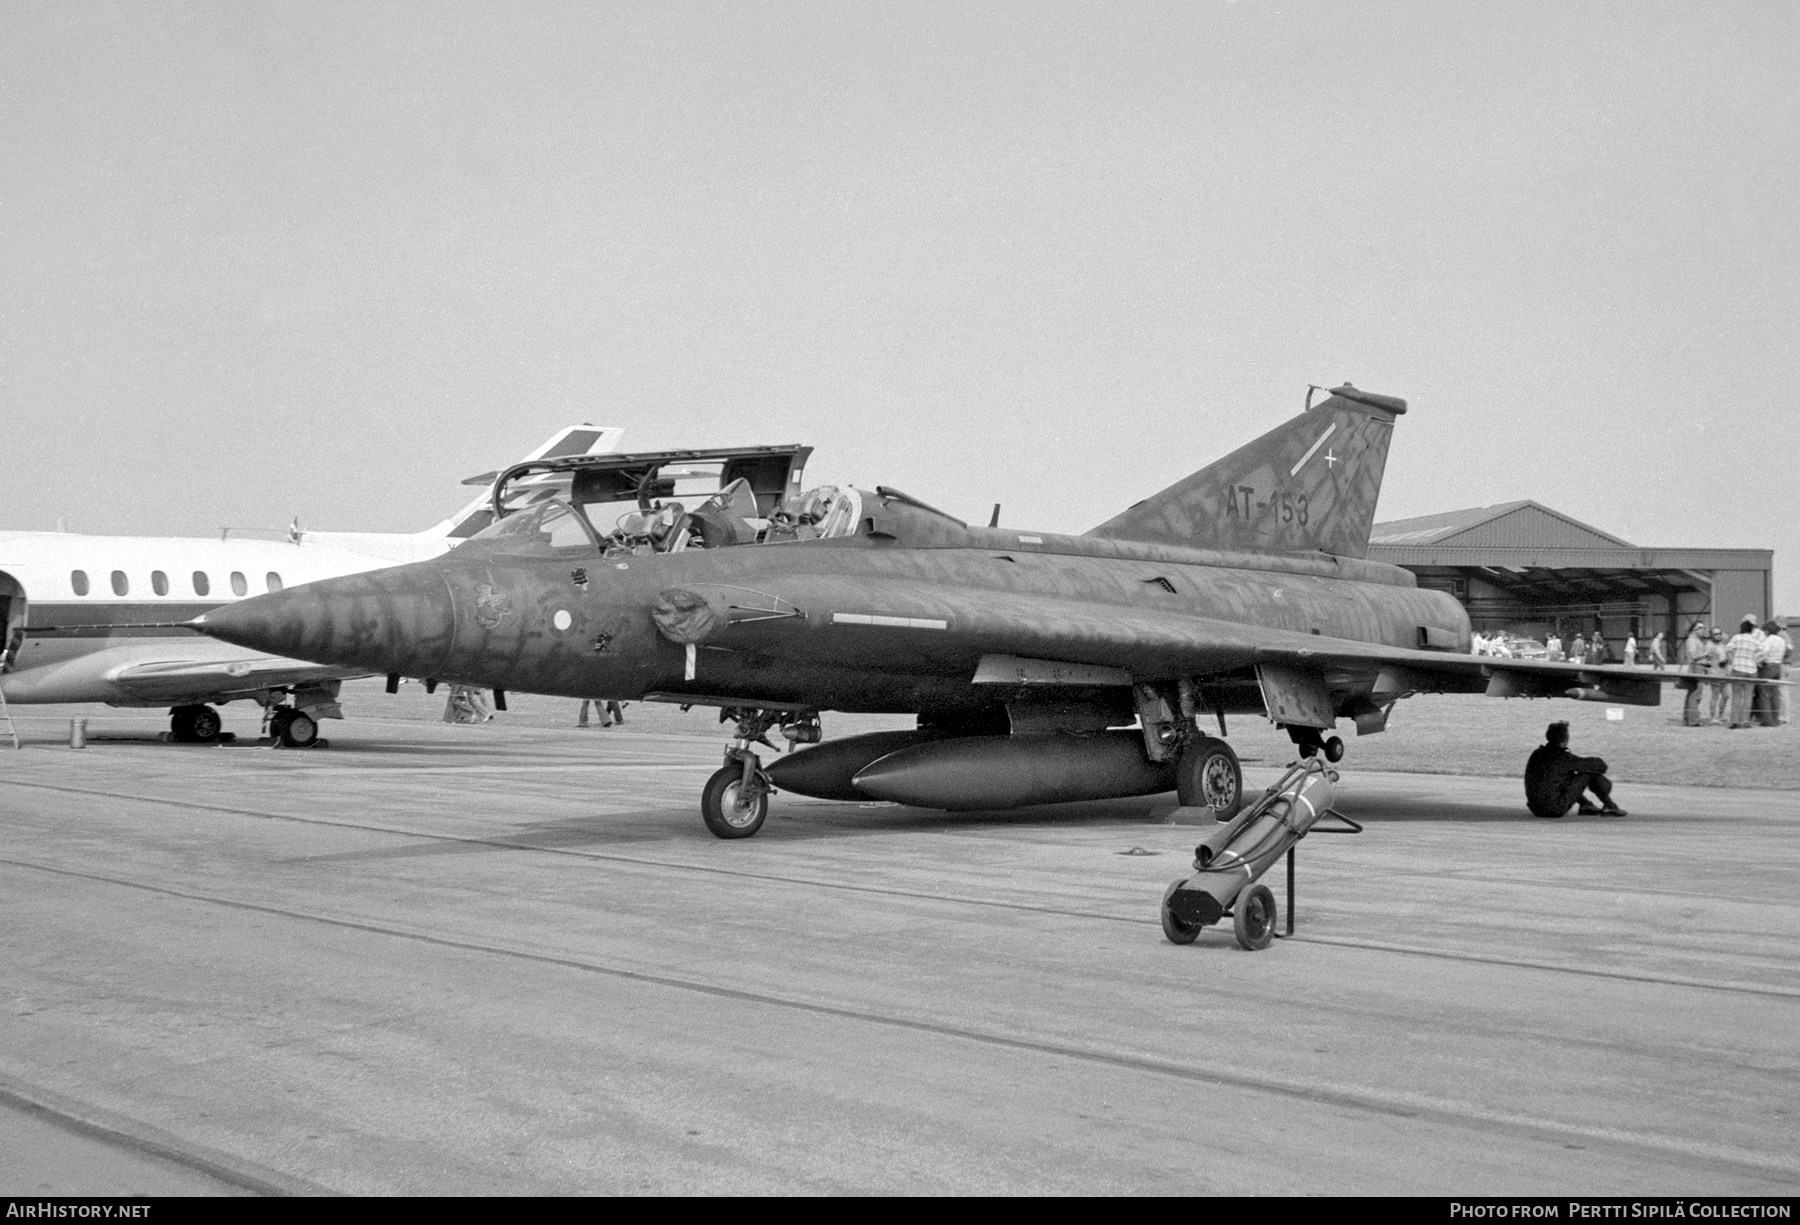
x=1631 y=650
x=1773 y=653
x=1784 y=694
x=1578 y=649
x=1478 y=643
x=1553 y=649
x=1659 y=651
x=1718 y=687
x=1694 y=652
x=1597 y=652
x=1741 y=659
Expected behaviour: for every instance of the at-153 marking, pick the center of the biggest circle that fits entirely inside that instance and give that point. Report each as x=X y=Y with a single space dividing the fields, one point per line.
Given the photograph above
x=1238 y=499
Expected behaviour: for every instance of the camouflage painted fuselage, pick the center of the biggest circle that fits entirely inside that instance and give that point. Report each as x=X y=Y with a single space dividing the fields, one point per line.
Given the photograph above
x=897 y=619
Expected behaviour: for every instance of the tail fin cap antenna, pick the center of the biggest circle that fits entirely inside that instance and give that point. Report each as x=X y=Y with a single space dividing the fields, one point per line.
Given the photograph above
x=1389 y=404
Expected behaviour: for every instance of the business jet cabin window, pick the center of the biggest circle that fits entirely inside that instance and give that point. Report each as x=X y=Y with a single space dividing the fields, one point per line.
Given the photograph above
x=273 y=580
x=78 y=580
x=202 y=584
x=159 y=582
x=121 y=584
x=238 y=585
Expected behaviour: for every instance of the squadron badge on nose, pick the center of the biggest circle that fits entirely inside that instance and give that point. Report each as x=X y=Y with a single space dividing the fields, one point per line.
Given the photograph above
x=490 y=605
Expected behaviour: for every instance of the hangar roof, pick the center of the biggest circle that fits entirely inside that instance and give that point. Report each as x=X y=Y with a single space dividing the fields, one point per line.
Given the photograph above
x=1508 y=524
x=1544 y=559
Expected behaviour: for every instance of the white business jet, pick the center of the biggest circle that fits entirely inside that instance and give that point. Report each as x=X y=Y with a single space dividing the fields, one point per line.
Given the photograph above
x=99 y=618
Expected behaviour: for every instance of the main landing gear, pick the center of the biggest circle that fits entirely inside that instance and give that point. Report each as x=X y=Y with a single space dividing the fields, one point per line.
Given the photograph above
x=294 y=729
x=195 y=724
x=736 y=799
x=1207 y=775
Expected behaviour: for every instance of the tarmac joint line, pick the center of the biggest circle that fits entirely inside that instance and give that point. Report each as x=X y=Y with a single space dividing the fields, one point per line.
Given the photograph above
x=148 y=1141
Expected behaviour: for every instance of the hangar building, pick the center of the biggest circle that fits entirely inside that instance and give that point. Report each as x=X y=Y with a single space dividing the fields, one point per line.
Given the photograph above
x=1528 y=569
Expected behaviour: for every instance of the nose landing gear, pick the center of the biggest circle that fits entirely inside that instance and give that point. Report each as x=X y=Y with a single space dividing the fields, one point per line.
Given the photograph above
x=736 y=799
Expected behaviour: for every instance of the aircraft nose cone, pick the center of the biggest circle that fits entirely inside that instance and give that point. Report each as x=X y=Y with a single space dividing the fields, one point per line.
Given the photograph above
x=394 y=620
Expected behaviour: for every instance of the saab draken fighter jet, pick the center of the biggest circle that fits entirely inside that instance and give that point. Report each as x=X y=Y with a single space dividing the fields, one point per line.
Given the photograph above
x=1042 y=667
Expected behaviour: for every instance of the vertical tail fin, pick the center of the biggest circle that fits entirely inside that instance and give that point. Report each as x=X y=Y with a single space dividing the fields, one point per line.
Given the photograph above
x=1308 y=484
x=571 y=440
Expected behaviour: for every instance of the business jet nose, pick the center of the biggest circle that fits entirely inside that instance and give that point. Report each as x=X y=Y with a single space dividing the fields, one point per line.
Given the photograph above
x=393 y=620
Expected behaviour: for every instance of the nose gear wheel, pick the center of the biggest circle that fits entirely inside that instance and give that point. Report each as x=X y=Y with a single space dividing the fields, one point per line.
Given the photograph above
x=729 y=808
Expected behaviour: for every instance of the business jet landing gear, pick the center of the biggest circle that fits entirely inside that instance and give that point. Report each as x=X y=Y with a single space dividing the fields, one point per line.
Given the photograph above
x=293 y=729
x=195 y=724
x=1311 y=740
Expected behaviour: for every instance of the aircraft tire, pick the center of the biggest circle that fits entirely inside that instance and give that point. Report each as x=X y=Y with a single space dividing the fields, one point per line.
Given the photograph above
x=1253 y=918
x=1177 y=931
x=298 y=731
x=1334 y=749
x=204 y=724
x=720 y=810
x=1208 y=776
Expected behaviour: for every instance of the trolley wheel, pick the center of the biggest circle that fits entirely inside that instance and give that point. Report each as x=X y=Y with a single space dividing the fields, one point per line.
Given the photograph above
x=722 y=809
x=1253 y=917
x=1177 y=931
x=1208 y=776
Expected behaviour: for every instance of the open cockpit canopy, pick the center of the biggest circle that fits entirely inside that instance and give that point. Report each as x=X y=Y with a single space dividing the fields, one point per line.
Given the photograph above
x=667 y=501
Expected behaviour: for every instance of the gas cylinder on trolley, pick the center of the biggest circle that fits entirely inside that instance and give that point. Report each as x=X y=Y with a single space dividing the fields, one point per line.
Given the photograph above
x=1228 y=863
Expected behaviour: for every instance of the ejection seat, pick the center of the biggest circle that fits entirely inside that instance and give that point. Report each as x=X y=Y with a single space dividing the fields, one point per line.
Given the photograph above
x=724 y=519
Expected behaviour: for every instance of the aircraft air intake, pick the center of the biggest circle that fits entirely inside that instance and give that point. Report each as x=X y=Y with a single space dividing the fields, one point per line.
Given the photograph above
x=1309 y=485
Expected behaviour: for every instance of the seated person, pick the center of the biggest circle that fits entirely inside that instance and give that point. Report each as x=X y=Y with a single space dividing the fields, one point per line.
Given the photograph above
x=1555 y=778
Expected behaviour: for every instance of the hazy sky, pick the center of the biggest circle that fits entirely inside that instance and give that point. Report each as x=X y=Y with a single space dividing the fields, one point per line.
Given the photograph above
x=263 y=259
